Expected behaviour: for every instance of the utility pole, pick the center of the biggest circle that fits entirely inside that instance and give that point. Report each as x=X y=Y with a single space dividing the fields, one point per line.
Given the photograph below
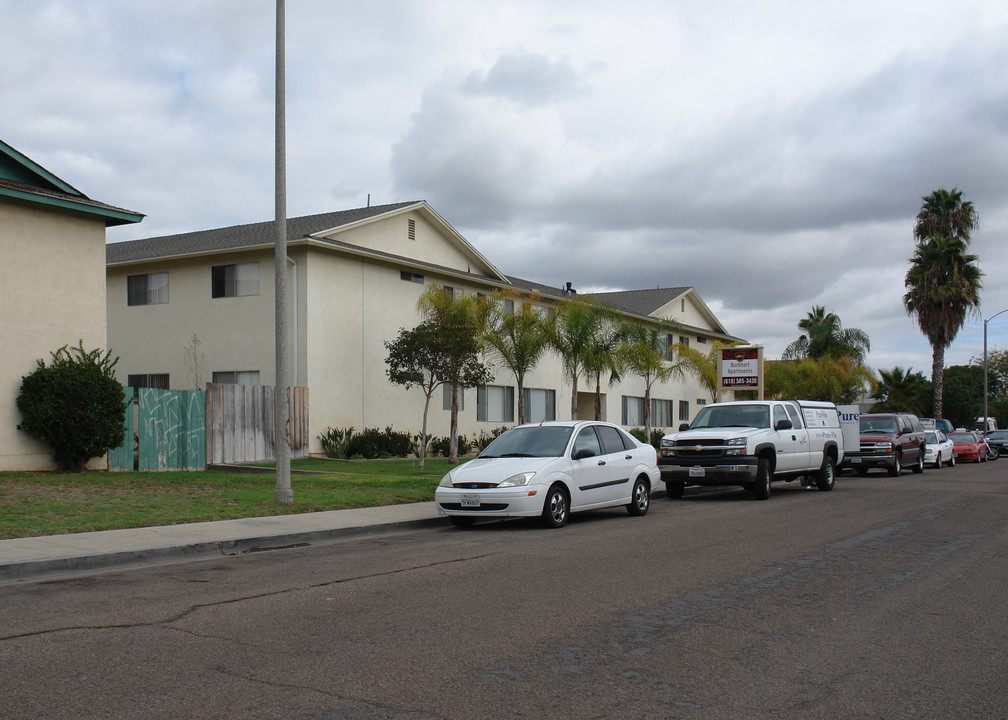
x=281 y=395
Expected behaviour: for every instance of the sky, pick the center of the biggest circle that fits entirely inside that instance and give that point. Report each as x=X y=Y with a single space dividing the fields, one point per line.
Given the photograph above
x=771 y=155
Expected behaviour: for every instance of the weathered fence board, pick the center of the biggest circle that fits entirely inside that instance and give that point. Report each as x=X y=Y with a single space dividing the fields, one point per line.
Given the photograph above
x=239 y=422
x=121 y=458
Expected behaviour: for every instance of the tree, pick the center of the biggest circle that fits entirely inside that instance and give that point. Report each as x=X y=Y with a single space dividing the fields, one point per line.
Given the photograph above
x=460 y=321
x=965 y=402
x=416 y=359
x=517 y=339
x=572 y=328
x=825 y=336
x=900 y=390
x=944 y=214
x=703 y=366
x=942 y=287
x=997 y=373
x=837 y=380
x=74 y=404
x=642 y=352
x=601 y=354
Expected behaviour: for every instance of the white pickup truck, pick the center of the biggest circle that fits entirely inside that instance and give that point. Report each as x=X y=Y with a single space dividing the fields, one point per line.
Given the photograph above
x=752 y=443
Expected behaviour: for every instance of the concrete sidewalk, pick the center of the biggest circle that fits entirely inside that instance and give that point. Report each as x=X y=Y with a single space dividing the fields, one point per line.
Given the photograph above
x=33 y=558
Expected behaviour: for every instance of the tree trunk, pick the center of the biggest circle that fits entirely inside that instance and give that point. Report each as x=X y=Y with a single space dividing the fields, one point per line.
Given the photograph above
x=521 y=401
x=423 y=432
x=647 y=413
x=937 y=378
x=453 y=439
x=574 y=395
x=598 y=396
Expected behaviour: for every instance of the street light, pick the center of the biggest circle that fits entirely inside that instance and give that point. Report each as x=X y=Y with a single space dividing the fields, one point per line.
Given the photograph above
x=985 y=365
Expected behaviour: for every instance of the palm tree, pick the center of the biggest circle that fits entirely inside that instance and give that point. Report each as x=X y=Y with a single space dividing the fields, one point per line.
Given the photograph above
x=942 y=287
x=901 y=390
x=944 y=214
x=518 y=339
x=642 y=352
x=825 y=337
x=703 y=366
x=573 y=326
x=602 y=355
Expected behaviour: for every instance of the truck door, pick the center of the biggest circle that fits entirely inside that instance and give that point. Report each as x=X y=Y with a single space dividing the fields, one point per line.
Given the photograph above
x=793 y=444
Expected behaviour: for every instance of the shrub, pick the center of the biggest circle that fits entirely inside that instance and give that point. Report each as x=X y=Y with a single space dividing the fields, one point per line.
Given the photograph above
x=335 y=441
x=656 y=436
x=485 y=438
x=74 y=404
x=373 y=443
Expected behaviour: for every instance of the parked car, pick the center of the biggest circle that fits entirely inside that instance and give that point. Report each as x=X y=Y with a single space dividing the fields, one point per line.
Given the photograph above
x=550 y=470
x=888 y=440
x=938 y=449
x=937 y=424
x=969 y=446
x=998 y=439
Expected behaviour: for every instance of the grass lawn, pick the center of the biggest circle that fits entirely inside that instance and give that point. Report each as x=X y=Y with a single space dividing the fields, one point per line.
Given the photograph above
x=34 y=504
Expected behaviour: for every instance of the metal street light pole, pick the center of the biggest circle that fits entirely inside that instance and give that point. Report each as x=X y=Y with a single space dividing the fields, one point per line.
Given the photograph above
x=281 y=388
x=985 y=364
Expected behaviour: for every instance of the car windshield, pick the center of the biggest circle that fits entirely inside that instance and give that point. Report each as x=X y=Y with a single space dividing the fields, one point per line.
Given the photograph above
x=878 y=425
x=962 y=437
x=538 y=441
x=718 y=416
x=930 y=438
x=998 y=435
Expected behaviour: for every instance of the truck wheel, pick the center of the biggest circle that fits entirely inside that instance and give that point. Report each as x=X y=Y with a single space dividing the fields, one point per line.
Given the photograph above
x=675 y=490
x=894 y=469
x=761 y=488
x=826 y=477
x=918 y=468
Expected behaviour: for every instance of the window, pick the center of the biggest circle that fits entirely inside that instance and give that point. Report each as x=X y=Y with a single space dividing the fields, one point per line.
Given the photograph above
x=587 y=440
x=633 y=411
x=669 y=353
x=446 y=394
x=661 y=413
x=411 y=277
x=795 y=417
x=701 y=340
x=149 y=289
x=612 y=440
x=154 y=380
x=539 y=405
x=235 y=280
x=684 y=410
x=237 y=377
x=495 y=403
x=684 y=340
x=779 y=414
x=411 y=229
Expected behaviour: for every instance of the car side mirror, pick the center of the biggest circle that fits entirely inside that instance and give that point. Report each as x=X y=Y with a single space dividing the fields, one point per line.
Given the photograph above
x=584 y=453
x=683 y=426
x=783 y=425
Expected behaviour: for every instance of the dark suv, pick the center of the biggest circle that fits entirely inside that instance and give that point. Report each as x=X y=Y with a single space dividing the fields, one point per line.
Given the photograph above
x=888 y=440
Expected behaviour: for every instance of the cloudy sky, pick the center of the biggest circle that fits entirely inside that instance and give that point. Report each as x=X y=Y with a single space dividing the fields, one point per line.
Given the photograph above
x=773 y=155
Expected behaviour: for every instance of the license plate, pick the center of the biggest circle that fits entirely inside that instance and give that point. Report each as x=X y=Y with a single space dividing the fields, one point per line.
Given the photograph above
x=470 y=501
x=697 y=472
x=855 y=461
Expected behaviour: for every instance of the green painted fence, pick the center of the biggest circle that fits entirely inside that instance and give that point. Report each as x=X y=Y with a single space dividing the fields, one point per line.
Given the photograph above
x=121 y=458
x=169 y=431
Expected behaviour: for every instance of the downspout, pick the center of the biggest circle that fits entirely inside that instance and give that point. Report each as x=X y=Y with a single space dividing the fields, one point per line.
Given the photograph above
x=294 y=323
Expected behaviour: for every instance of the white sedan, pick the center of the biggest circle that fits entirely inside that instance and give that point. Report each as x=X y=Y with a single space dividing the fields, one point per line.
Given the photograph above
x=938 y=449
x=550 y=470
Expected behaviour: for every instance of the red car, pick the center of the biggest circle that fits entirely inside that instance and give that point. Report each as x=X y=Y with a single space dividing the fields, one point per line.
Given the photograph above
x=968 y=446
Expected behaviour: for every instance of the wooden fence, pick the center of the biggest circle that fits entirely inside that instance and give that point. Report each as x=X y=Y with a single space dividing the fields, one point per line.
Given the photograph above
x=190 y=429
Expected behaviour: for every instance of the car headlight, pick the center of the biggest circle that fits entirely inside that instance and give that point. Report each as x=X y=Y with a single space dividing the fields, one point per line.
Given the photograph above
x=517 y=480
x=736 y=446
x=667 y=443
x=884 y=446
x=446 y=481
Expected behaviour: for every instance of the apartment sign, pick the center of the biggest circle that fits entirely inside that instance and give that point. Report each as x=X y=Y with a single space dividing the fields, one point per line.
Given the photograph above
x=741 y=368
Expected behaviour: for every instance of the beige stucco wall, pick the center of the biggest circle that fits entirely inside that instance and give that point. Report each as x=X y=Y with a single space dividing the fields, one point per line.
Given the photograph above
x=52 y=291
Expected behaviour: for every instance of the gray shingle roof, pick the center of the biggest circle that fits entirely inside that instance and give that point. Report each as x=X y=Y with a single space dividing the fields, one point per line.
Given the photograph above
x=641 y=302
x=239 y=236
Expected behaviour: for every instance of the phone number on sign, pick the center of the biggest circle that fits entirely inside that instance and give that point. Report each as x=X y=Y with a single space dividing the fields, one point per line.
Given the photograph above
x=741 y=381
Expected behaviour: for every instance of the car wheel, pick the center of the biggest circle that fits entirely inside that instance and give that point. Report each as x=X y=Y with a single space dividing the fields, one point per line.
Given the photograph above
x=640 y=500
x=826 y=477
x=937 y=462
x=952 y=460
x=556 y=508
x=675 y=490
x=894 y=469
x=761 y=488
x=461 y=522
x=918 y=467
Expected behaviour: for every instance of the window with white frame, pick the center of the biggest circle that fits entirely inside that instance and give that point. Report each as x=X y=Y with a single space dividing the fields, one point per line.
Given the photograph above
x=149 y=289
x=237 y=377
x=411 y=277
x=149 y=380
x=495 y=403
x=235 y=280
x=661 y=413
x=633 y=411
x=539 y=404
x=684 y=410
x=701 y=340
x=669 y=353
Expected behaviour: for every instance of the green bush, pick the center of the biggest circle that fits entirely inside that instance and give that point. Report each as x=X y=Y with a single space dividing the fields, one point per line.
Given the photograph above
x=75 y=405
x=374 y=443
x=335 y=441
x=656 y=436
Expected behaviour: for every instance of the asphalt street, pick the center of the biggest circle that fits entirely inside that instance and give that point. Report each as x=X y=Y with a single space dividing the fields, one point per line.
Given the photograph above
x=882 y=599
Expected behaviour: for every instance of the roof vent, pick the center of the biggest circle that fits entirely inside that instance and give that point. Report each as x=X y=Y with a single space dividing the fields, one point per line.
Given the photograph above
x=569 y=290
